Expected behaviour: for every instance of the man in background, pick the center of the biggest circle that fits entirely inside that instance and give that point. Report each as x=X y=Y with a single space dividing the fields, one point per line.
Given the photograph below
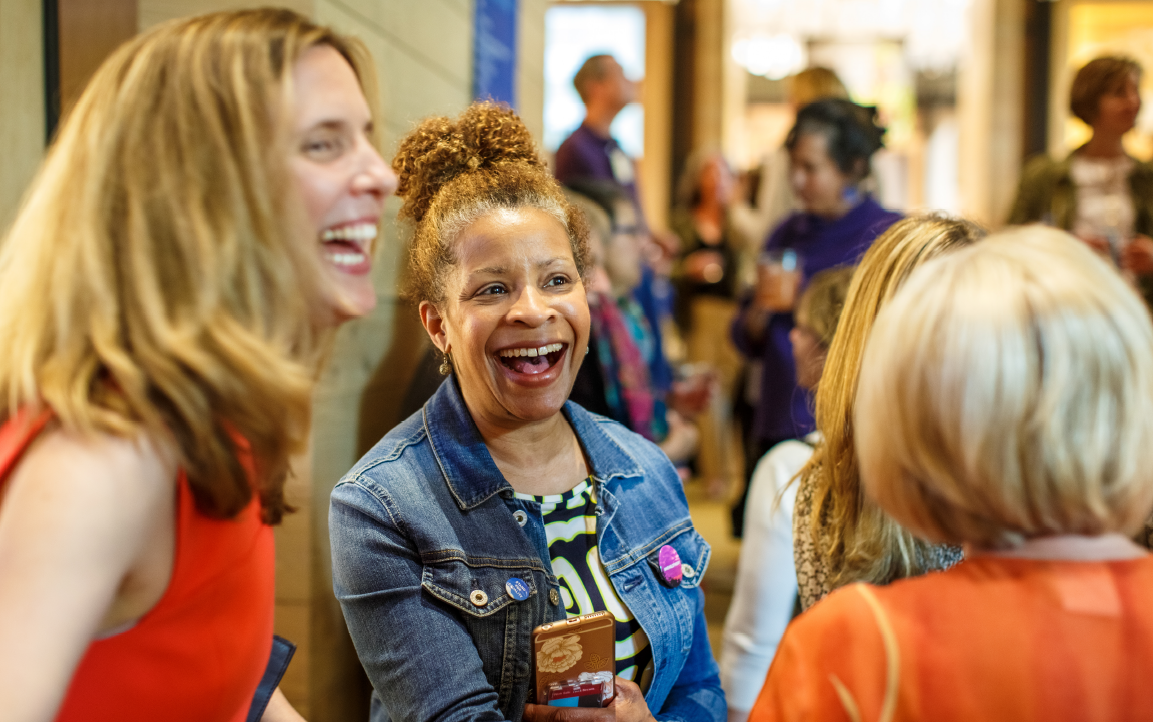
x=591 y=153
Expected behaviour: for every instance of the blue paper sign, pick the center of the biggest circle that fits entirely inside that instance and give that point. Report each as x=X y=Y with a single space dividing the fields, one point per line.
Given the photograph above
x=494 y=51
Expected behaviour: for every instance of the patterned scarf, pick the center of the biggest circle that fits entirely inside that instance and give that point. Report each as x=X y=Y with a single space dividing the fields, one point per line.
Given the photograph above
x=628 y=389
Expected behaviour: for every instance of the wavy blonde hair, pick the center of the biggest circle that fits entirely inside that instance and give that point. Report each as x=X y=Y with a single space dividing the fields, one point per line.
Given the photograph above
x=853 y=535
x=158 y=278
x=1005 y=395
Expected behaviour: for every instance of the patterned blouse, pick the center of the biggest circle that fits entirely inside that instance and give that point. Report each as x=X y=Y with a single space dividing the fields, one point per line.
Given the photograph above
x=814 y=578
x=570 y=525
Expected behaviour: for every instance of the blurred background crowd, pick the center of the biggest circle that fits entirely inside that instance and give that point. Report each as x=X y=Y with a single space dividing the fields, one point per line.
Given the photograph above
x=732 y=158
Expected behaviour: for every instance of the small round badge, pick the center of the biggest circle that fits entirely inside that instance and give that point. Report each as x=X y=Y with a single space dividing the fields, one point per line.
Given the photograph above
x=670 y=565
x=517 y=589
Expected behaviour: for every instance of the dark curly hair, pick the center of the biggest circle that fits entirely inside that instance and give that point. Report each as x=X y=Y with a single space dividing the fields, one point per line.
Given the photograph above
x=851 y=131
x=455 y=172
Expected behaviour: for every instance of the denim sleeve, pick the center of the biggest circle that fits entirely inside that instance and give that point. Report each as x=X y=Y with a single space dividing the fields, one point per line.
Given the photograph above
x=697 y=695
x=419 y=657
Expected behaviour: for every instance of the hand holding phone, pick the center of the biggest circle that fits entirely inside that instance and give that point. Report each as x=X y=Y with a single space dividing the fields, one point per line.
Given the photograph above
x=627 y=706
x=574 y=661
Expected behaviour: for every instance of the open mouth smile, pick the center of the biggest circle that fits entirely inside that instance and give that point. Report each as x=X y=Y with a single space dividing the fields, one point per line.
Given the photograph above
x=346 y=247
x=532 y=361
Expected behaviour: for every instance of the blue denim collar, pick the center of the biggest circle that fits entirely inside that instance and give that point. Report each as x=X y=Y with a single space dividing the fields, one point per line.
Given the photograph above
x=468 y=468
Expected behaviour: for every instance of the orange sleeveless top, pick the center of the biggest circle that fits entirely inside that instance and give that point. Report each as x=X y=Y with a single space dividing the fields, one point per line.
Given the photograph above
x=199 y=654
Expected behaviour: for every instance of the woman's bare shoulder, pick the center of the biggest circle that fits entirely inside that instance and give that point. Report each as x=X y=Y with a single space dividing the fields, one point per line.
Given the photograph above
x=99 y=472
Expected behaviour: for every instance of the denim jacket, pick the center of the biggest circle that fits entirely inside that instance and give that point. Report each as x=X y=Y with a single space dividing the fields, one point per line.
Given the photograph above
x=425 y=521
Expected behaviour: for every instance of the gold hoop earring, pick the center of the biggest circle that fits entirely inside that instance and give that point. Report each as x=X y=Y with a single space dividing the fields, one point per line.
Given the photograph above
x=445 y=365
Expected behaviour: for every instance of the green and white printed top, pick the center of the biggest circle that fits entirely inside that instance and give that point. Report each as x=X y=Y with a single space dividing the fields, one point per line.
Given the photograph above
x=570 y=526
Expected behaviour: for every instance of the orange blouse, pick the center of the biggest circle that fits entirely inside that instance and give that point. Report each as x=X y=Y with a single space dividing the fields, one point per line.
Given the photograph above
x=198 y=655
x=990 y=639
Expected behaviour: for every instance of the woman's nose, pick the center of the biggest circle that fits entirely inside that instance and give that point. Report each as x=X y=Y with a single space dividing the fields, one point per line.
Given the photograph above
x=374 y=176
x=531 y=308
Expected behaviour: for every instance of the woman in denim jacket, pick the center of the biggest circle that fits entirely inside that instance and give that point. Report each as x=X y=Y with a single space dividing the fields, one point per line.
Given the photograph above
x=445 y=541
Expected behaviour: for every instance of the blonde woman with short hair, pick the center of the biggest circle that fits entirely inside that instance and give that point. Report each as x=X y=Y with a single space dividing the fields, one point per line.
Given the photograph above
x=204 y=217
x=1004 y=406
x=840 y=537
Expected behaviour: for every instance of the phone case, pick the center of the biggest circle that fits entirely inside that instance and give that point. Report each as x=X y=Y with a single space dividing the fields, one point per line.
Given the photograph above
x=565 y=649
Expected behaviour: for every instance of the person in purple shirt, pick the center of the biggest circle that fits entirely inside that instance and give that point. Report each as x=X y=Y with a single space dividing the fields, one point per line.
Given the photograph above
x=591 y=153
x=829 y=150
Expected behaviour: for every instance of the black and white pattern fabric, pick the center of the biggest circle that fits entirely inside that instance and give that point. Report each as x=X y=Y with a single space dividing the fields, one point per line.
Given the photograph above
x=570 y=525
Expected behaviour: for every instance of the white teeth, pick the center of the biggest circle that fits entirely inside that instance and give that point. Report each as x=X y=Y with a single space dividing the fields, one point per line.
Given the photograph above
x=358 y=232
x=347 y=259
x=543 y=350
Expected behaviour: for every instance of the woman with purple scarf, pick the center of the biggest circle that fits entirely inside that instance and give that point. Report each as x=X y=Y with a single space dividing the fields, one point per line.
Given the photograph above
x=829 y=150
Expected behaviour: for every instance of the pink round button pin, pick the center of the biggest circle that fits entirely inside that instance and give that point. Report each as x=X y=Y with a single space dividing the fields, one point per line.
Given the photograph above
x=670 y=565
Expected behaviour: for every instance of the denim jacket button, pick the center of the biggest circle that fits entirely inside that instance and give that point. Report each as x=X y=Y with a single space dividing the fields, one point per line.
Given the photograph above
x=688 y=571
x=478 y=598
x=520 y=516
x=553 y=597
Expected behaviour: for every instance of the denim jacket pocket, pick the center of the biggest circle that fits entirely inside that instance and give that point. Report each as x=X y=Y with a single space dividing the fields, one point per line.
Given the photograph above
x=499 y=624
x=477 y=590
x=694 y=552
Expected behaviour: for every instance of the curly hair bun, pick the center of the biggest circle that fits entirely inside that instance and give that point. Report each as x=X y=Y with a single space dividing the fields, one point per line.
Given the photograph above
x=484 y=137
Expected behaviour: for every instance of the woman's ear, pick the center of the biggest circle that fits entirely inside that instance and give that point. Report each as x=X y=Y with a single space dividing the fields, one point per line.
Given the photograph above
x=434 y=324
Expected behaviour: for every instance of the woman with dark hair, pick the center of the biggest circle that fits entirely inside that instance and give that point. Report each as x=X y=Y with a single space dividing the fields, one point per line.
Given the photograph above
x=502 y=505
x=829 y=151
x=1099 y=192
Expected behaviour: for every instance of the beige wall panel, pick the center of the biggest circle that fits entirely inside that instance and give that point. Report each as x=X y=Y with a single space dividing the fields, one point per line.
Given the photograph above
x=411 y=85
x=990 y=110
x=294 y=539
x=151 y=12
x=656 y=167
x=530 y=65
x=444 y=45
x=22 y=112
x=708 y=83
x=1008 y=113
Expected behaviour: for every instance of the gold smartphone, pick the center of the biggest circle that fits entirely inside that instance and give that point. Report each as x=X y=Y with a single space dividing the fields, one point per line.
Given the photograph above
x=564 y=651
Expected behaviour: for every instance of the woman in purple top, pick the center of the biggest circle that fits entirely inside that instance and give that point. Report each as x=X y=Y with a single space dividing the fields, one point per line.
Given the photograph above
x=829 y=150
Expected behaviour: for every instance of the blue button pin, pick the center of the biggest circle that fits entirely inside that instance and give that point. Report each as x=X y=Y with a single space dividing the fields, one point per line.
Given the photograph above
x=517 y=589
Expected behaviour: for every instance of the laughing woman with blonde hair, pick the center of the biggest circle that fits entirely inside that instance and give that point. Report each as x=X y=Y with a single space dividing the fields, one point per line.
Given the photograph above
x=203 y=218
x=1004 y=406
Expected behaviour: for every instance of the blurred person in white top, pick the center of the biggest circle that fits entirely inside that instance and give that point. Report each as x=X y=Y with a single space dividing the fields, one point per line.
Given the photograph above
x=766 y=588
